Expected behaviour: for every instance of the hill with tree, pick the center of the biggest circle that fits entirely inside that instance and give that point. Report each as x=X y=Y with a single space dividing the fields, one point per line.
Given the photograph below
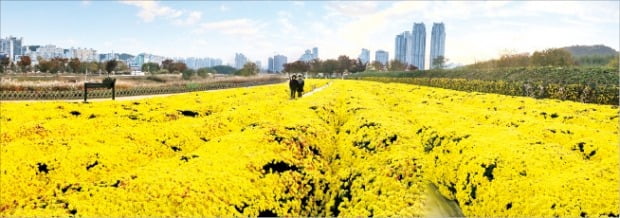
x=589 y=50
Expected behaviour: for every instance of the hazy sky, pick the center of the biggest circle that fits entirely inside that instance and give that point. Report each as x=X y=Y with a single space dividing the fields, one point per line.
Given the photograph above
x=475 y=30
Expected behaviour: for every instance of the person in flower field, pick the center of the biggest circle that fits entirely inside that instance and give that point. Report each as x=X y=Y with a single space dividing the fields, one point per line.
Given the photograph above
x=300 y=85
x=293 y=84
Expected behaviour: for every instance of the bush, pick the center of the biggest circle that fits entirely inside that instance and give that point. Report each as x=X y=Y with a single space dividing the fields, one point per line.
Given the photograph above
x=188 y=74
x=586 y=93
x=162 y=71
x=156 y=79
x=204 y=72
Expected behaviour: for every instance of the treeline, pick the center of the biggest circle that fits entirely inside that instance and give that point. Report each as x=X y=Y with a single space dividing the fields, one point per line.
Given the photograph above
x=329 y=66
x=74 y=65
x=344 y=64
x=249 y=69
x=57 y=65
x=548 y=57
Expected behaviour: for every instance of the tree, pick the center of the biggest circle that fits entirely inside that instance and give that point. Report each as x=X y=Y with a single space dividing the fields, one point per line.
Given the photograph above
x=43 y=66
x=110 y=66
x=223 y=69
x=121 y=66
x=249 y=69
x=150 y=67
x=75 y=65
x=315 y=65
x=205 y=71
x=177 y=67
x=344 y=63
x=4 y=61
x=552 y=57
x=377 y=65
x=329 y=66
x=167 y=65
x=93 y=66
x=297 y=67
x=188 y=74
x=396 y=65
x=53 y=65
x=24 y=62
x=439 y=62
x=614 y=63
x=61 y=63
x=89 y=67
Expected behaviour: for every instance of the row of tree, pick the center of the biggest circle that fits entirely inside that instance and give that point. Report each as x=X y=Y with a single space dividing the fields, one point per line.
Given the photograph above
x=340 y=65
x=345 y=64
x=549 y=57
x=329 y=66
x=59 y=65
x=249 y=69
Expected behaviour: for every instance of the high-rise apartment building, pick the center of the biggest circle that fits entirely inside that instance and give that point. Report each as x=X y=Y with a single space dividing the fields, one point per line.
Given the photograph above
x=11 y=46
x=278 y=63
x=197 y=63
x=310 y=55
x=418 y=38
x=270 y=67
x=143 y=58
x=382 y=57
x=49 y=51
x=315 y=53
x=364 y=56
x=307 y=56
x=438 y=42
x=83 y=54
x=240 y=60
x=401 y=47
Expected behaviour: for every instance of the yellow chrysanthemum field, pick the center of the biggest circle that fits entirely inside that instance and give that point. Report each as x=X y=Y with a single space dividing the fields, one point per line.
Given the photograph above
x=353 y=149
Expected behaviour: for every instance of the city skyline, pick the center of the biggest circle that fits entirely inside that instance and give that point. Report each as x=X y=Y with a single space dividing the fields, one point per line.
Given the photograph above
x=478 y=30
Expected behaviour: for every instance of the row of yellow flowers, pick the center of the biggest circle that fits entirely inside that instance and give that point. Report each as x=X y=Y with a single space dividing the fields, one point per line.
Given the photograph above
x=355 y=148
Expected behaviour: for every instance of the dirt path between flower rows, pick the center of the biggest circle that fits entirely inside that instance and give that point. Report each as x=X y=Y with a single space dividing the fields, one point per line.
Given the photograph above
x=316 y=90
x=439 y=206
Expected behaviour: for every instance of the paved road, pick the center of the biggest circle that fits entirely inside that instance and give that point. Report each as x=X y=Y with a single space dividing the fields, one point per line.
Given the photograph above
x=439 y=206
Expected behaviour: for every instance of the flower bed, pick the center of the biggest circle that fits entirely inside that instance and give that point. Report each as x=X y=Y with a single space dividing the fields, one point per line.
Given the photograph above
x=353 y=149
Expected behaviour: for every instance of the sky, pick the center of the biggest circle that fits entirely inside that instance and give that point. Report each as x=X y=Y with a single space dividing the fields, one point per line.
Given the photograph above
x=475 y=30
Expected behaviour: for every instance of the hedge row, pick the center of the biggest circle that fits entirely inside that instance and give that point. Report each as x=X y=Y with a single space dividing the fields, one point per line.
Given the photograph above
x=107 y=93
x=556 y=75
x=603 y=94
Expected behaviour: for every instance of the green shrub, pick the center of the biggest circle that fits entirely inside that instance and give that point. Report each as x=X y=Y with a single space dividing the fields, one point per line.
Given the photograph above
x=156 y=79
x=586 y=93
x=188 y=74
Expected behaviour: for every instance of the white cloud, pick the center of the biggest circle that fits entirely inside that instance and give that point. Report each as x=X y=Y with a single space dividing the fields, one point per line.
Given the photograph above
x=237 y=27
x=224 y=8
x=351 y=8
x=598 y=12
x=86 y=2
x=192 y=18
x=285 y=25
x=149 y=10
